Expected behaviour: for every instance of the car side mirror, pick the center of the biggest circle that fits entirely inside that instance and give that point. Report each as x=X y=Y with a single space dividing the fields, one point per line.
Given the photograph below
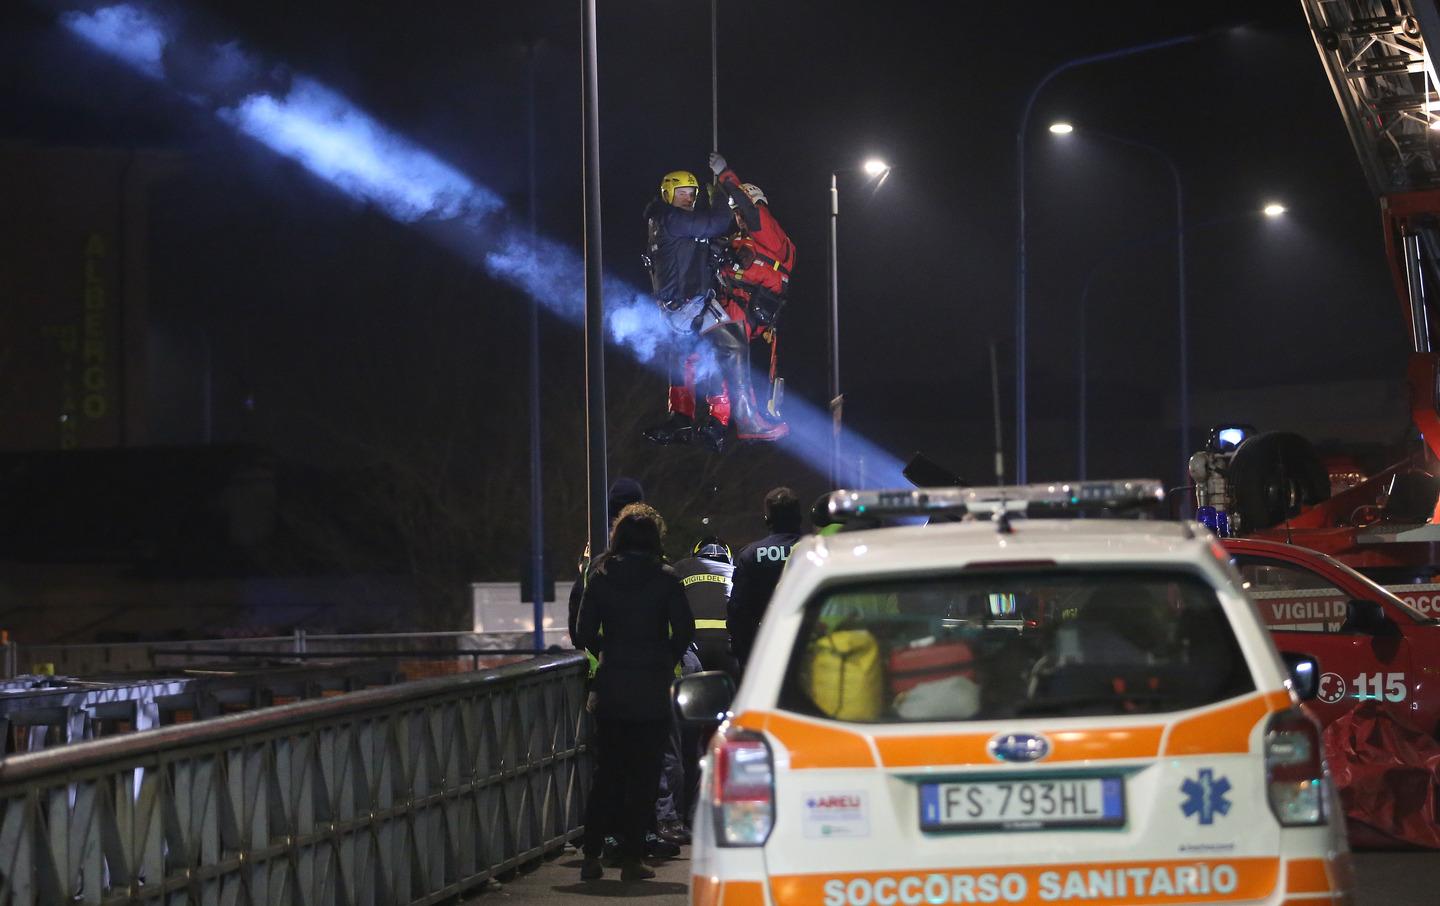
x=703 y=697
x=1304 y=674
x=1368 y=617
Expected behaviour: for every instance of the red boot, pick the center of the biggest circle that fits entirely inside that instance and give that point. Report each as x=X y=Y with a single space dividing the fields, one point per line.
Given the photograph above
x=713 y=430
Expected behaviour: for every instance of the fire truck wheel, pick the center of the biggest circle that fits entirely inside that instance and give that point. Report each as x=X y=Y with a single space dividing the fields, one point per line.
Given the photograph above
x=1273 y=476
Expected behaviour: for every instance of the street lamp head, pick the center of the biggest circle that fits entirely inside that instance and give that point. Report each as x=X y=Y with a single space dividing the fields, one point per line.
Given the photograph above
x=1061 y=128
x=876 y=167
x=1274 y=209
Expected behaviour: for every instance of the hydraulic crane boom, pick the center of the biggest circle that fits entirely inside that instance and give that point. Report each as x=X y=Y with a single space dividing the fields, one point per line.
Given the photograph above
x=1375 y=54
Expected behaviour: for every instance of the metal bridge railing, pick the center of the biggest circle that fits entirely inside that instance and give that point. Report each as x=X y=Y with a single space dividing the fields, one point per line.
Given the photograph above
x=406 y=794
x=90 y=659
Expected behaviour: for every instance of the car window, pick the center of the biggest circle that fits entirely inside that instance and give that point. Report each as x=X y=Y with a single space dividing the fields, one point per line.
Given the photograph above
x=997 y=646
x=1292 y=598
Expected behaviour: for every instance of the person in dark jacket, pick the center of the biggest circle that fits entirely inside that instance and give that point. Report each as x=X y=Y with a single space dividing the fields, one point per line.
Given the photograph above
x=623 y=492
x=758 y=568
x=635 y=619
x=677 y=254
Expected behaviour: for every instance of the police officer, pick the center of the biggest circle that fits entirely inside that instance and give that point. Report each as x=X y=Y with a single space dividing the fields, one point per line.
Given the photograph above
x=758 y=567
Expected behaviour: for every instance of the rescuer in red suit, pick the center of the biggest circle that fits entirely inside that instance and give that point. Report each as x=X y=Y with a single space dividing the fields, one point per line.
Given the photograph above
x=755 y=274
x=762 y=256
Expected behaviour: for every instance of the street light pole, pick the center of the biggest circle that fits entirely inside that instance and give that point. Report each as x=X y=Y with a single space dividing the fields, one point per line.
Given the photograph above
x=537 y=563
x=880 y=170
x=595 y=449
x=834 y=343
x=1021 y=415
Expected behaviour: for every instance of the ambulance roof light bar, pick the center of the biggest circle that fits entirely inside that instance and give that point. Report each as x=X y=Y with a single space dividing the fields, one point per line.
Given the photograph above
x=1067 y=498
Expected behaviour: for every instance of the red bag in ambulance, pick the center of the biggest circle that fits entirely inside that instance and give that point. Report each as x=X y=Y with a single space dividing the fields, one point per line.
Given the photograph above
x=911 y=666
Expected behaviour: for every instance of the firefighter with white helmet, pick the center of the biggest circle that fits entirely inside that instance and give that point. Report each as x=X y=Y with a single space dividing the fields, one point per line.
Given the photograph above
x=755 y=276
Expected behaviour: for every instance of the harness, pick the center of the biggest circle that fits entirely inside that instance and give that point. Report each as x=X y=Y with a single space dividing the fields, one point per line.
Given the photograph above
x=747 y=257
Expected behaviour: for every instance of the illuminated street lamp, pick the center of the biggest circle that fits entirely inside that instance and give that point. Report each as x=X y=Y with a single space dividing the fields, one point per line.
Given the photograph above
x=1061 y=128
x=875 y=169
x=1022 y=451
x=1274 y=209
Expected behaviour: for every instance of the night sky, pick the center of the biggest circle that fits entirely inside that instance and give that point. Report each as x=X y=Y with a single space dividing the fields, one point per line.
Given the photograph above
x=329 y=331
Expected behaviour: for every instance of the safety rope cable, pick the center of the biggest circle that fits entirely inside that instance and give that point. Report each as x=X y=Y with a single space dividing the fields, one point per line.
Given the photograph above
x=714 y=80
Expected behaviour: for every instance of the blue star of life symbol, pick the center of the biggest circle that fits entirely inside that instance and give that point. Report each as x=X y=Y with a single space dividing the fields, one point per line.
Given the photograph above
x=1205 y=796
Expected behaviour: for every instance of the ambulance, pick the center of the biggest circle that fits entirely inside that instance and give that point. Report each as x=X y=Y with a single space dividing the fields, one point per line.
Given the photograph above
x=1004 y=708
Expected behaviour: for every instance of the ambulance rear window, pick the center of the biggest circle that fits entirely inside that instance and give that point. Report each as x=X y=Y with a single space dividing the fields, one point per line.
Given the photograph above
x=1004 y=646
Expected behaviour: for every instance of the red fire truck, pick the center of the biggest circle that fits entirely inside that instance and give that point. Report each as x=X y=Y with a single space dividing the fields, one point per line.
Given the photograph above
x=1370 y=643
x=1274 y=485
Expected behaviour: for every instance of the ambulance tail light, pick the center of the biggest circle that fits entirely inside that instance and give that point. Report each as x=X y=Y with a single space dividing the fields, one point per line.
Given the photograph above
x=743 y=797
x=1294 y=770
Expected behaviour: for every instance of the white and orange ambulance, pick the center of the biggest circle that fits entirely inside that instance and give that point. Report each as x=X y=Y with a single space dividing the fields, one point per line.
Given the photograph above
x=1013 y=710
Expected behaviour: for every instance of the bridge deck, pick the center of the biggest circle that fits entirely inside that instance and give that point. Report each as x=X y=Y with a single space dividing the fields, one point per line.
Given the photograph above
x=557 y=880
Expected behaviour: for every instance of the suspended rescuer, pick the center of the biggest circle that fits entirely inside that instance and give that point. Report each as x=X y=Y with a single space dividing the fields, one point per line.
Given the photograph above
x=758 y=568
x=755 y=270
x=634 y=616
x=677 y=256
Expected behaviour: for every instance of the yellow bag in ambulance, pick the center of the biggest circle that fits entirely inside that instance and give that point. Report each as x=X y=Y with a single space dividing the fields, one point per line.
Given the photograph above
x=846 y=679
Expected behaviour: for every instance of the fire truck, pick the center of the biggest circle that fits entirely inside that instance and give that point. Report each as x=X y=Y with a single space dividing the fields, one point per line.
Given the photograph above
x=1377 y=55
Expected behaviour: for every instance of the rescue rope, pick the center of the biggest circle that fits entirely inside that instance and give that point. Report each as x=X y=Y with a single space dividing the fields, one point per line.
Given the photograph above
x=714 y=81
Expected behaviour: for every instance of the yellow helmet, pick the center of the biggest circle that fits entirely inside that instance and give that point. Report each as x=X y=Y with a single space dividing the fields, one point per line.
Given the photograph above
x=677 y=179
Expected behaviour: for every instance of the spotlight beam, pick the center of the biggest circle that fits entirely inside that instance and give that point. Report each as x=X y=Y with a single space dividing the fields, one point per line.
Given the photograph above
x=341 y=144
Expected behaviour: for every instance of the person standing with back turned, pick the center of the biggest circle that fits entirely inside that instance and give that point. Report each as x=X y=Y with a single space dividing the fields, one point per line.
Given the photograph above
x=758 y=569
x=635 y=617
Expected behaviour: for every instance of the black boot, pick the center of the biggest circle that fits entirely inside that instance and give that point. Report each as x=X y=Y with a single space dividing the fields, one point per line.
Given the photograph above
x=712 y=434
x=733 y=355
x=677 y=429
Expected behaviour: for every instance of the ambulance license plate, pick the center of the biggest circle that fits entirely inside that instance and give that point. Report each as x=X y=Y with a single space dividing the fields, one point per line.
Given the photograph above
x=1023 y=804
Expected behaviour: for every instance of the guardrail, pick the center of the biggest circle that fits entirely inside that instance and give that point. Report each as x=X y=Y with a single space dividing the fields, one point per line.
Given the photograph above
x=43 y=711
x=90 y=659
x=407 y=794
